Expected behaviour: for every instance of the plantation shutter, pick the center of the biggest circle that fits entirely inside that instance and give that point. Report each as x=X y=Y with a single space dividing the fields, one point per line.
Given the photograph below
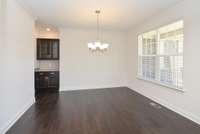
x=160 y=55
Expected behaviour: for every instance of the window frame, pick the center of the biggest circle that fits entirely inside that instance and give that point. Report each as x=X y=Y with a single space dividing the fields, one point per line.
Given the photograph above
x=139 y=67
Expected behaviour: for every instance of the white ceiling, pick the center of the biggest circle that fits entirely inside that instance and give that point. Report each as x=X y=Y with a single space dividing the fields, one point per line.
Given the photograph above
x=116 y=14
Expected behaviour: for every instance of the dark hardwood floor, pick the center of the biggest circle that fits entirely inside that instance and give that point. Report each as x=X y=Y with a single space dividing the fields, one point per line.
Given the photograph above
x=103 y=111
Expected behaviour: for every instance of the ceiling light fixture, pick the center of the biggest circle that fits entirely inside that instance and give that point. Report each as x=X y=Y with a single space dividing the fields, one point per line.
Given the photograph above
x=48 y=29
x=97 y=45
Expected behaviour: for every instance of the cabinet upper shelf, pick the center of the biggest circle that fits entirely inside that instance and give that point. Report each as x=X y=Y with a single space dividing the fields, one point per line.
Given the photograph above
x=48 y=49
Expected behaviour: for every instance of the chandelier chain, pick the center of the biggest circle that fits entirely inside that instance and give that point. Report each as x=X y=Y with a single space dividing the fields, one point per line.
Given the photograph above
x=98 y=24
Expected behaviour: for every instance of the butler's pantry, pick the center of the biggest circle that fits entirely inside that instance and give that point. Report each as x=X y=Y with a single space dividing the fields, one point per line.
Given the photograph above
x=47 y=57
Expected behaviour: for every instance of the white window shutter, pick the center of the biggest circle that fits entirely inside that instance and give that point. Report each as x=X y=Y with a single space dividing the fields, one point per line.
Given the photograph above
x=160 y=55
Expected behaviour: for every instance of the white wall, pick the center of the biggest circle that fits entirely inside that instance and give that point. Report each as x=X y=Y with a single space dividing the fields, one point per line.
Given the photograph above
x=82 y=69
x=1 y=40
x=1 y=20
x=1 y=35
x=17 y=91
x=186 y=103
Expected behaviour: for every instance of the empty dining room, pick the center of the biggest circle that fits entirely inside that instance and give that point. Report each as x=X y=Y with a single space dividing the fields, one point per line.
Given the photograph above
x=99 y=67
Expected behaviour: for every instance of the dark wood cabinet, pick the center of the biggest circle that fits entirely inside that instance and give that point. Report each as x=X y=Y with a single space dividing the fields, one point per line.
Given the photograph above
x=47 y=49
x=46 y=81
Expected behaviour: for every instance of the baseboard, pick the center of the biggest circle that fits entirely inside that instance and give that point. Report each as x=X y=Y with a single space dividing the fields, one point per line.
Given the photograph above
x=14 y=119
x=172 y=107
x=90 y=87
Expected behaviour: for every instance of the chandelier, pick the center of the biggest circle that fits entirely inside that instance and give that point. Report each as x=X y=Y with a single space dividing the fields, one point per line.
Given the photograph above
x=98 y=45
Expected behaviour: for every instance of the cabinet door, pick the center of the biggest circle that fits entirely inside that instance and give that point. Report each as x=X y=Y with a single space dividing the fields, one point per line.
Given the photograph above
x=47 y=49
x=55 y=49
x=44 y=49
x=53 y=80
x=42 y=80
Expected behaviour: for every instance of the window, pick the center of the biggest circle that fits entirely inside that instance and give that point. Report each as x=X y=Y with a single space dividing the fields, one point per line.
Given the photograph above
x=160 y=55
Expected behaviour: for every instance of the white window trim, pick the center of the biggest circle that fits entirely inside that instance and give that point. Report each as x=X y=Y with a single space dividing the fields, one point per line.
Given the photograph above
x=156 y=82
x=161 y=84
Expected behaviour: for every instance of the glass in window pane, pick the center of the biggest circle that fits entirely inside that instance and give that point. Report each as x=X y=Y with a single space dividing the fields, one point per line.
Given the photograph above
x=148 y=67
x=55 y=49
x=171 y=39
x=149 y=41
x=171 y=70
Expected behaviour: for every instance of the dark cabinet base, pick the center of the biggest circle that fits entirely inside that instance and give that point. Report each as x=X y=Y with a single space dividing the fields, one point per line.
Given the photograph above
x=46 y=90
x=46 y=82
